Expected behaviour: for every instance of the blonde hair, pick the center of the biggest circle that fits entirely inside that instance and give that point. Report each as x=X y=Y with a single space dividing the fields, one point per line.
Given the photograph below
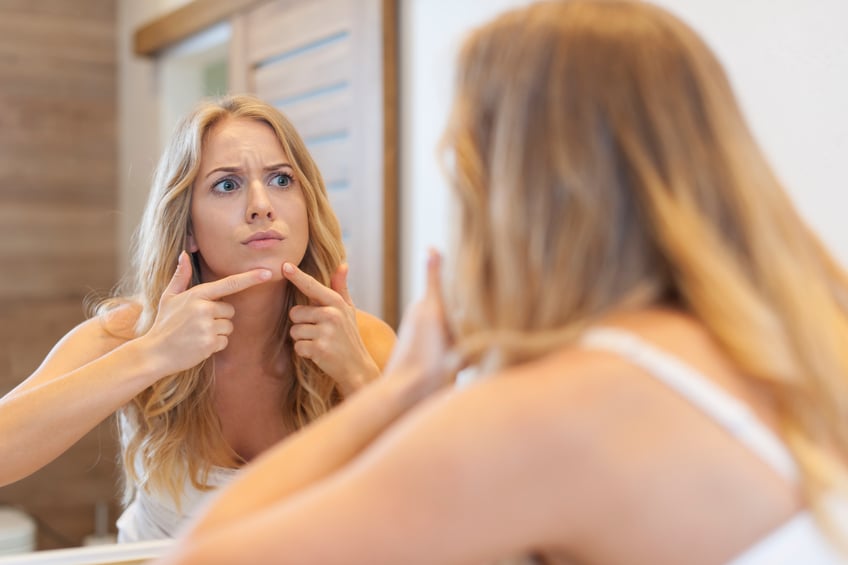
x=600 y=161
x=171 y=432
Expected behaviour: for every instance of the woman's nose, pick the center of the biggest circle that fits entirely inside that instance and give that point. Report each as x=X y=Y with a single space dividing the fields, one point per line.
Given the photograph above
x=258 y=205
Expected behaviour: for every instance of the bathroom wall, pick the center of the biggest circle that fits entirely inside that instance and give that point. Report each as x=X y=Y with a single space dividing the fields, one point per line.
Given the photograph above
x=58 y=210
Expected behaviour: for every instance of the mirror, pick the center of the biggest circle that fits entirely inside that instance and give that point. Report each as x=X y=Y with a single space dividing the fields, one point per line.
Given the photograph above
x=63 y=126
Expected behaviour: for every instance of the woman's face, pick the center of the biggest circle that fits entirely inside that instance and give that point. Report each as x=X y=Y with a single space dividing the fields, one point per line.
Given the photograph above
x=247 y=207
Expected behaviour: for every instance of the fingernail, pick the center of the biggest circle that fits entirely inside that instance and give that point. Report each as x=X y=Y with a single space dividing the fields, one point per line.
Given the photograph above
x=288 y=268
x=264 y=274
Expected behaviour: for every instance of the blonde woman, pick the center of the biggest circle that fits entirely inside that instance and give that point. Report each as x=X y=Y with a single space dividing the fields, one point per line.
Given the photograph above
x=660 y=341
x=208 y=351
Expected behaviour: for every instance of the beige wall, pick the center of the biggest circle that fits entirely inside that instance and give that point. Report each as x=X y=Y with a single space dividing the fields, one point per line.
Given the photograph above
x=786 y=59
x=57 y=222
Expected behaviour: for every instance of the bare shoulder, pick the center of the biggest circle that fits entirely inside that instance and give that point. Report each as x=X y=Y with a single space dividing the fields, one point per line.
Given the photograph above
x=120 y=321
x=572 y=438
x=377 y=335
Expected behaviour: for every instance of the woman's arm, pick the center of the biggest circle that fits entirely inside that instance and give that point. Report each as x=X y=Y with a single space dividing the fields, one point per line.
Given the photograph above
x=85 y=378
x=90 y=372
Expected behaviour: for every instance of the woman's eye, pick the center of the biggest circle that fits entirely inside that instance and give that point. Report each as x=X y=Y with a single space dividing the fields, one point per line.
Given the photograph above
x=283 y=180
x=225 y=185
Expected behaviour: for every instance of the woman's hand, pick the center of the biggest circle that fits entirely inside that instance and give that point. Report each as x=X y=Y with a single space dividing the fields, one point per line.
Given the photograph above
x=326 y=332
x=423 y=351
x=193 y=323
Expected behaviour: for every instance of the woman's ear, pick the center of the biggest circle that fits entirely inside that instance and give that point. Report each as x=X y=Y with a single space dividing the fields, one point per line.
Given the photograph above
x=191 y=244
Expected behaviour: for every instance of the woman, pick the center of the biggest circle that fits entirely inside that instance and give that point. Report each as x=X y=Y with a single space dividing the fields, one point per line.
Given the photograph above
x=208 y=352
x=660 y=340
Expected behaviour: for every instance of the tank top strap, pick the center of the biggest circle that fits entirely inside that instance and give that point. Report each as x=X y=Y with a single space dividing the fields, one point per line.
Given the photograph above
x=733 y=415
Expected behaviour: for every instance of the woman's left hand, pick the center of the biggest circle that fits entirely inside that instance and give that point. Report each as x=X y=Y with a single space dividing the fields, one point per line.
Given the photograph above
x=326 y=331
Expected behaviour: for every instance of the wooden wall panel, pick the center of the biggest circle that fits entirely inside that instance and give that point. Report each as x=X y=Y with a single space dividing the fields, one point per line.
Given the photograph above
x=323 y=66
x=57 y=224
x=334 y=159
x=322 y=115
x=280 y=26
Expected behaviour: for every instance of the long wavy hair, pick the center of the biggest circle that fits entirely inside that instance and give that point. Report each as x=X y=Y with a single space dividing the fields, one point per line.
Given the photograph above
x=170 y=432
x=600 y=161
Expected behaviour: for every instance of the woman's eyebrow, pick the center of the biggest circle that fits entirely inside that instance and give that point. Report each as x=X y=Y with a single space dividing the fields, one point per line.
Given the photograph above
x=278 y=166
x=227 y=169
x=235 y=169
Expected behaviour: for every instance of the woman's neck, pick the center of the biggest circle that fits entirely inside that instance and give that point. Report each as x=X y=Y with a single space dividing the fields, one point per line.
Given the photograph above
x=258 y=312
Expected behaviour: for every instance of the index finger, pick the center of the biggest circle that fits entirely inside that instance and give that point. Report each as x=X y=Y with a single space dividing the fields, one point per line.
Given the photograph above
x=434 y=274
x=232 y=284
x=314 y=290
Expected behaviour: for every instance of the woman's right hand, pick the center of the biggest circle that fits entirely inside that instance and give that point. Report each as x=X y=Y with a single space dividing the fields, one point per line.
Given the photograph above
x=193 y=323
x=424 y=348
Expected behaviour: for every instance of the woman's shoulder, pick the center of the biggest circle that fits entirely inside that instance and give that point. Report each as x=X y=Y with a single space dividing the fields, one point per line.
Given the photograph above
x=520 y=433
x=109 y=328
x=379 y=338
x=120 y=321
x=562 y=389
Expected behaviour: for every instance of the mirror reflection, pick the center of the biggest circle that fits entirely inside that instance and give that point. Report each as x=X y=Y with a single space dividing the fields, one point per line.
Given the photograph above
x=67 y=255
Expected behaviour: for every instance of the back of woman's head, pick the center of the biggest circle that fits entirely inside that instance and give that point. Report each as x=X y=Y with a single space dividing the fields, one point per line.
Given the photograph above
x=568 y=116
x=600 y=161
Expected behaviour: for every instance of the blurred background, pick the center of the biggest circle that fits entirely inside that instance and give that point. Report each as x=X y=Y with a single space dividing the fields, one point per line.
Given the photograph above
x=89 y=89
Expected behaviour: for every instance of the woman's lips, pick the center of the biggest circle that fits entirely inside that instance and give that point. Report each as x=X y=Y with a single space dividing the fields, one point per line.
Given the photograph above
x=263 y=240
x=262 y=243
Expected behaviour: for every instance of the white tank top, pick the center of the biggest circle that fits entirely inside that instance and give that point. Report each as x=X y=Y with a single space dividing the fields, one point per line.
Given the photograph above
x=155 y=515
x=799 y=541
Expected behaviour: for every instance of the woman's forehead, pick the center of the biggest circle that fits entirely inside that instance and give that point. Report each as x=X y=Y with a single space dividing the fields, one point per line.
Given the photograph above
x=237 y=139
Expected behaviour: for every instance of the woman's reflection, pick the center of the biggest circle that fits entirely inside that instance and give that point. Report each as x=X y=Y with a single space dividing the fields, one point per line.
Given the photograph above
x=208 y=352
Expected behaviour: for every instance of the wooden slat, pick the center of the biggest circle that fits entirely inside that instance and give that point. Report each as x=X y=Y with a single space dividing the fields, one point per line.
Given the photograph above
x=70 y=12
x=334 y=159
x=49 y=252
x=57 y=125
x=238 y=69
x=184 y=22
x=322 y=114
x=31 y=280
x=284 y=25
x=91 y=42
x=29 y=328
x=33 y=178
x=66 y=230
x=329 y=65
x=26 y=77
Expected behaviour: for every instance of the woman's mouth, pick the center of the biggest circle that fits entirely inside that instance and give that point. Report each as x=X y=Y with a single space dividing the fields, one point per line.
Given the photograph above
x=263 y=239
